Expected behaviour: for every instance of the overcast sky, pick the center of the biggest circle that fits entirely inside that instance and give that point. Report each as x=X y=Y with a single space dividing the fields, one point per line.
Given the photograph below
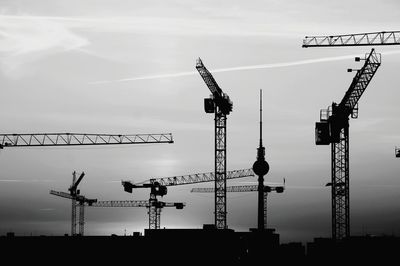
x=125 y=67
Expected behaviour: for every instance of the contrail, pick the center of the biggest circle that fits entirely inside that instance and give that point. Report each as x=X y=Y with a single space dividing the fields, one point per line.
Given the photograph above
x=240 y=68
x=25 y=181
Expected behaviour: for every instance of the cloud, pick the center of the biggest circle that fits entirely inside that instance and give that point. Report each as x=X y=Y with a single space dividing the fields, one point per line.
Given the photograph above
x=24 y=40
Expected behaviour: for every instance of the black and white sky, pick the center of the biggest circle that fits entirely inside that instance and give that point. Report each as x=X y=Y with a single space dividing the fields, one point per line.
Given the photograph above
x=124 y=67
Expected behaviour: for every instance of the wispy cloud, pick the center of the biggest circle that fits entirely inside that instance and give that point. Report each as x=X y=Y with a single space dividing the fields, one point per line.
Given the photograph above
x=24 y=40
x=241 y=68
x=10 y=180
x=46 y=209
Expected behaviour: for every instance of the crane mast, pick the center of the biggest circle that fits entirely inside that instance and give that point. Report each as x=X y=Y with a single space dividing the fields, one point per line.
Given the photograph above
x=359 y=39
x=333 y=129
x=219 y=104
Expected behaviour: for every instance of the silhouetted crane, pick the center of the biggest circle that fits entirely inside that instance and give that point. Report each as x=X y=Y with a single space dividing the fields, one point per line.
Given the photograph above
x=158 y=186
x=359 y=39
x=249 y=188
x=77 y=200
x=333 y=128
x=154 y=221
x=220 y=104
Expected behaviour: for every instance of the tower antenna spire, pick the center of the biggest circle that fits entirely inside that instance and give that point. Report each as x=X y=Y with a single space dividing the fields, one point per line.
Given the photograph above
x=261 y=118
x=260 y=168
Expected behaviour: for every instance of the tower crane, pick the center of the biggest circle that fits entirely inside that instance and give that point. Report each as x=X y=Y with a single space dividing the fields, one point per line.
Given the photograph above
x=249 y=188
x=154 y=222
x=75 y=139
x=359 y=39
x=77 y=200
x=78 y=139
x=339 y=151
x=333 y=129
x=219 y=104
x=158 y=186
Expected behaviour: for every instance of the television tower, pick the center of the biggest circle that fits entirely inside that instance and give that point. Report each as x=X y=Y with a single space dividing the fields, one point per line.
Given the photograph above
x=260 y=168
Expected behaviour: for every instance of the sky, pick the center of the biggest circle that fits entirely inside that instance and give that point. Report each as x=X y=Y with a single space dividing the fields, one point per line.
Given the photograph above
x=127 y=67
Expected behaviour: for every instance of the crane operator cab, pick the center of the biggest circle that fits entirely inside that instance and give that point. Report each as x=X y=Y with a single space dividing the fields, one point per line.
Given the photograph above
x=224 y=104
x=397 y=152
x=158 y=189
x=322 y=136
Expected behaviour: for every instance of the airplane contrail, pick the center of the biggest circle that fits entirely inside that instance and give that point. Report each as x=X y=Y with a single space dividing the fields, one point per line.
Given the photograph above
x=25 y=181
x=240 y=68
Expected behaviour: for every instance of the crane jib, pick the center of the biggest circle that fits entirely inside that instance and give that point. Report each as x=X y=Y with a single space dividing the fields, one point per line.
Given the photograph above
x=360 y=82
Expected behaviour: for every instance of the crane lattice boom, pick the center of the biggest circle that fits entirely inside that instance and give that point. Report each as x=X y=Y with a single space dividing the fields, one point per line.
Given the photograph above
x=360 y=82
x=73 y=139
x=62 y=194
x=247 y=188
x=360 y=39
x=134 y=203
x=122 y=203
x=200 y=177
x=208 y=79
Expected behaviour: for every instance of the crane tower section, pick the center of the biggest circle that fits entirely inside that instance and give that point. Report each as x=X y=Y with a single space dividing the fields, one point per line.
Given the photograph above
x=220 y=104
x=333 y=129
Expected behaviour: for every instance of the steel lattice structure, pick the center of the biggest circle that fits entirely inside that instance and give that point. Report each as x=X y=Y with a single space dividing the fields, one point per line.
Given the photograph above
x=78 y=201
x=153 y=205
x=248 y=188
x=74 y=139
x=199 y=177
x=340 y=186
x=81 y=218
x=219 y=104
x=121 y=203
x=360 y=39
x=158 y=186
x=334 y=129
x=220 y=170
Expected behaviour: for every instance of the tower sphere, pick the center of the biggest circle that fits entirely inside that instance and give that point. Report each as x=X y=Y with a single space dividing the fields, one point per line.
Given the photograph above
x=260 y=167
